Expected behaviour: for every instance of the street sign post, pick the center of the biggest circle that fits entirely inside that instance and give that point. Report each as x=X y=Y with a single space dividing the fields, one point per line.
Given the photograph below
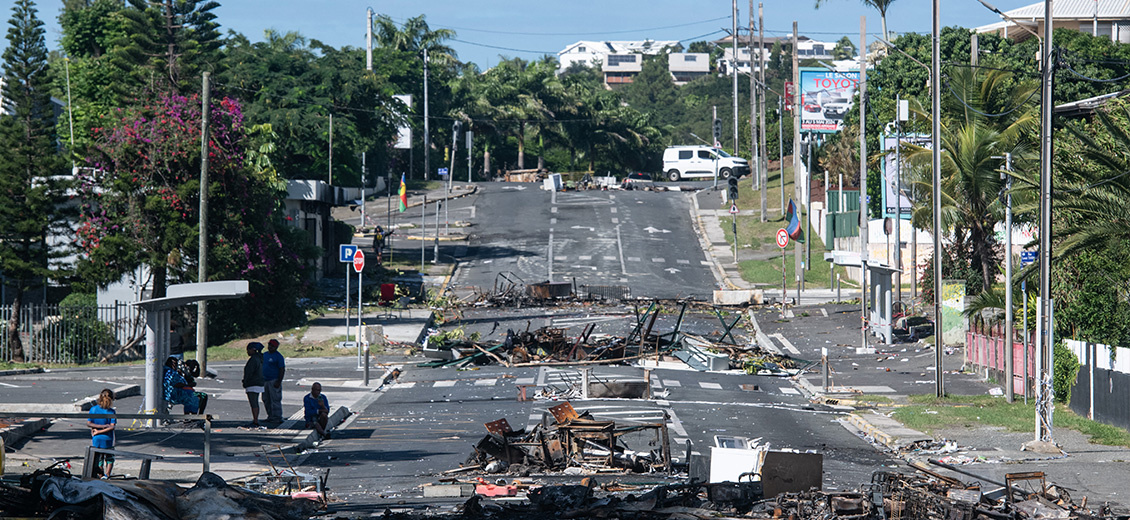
x=358 y=261
x=1027 y=257
x=782 y=242
x=358 y=267
x=442 y=172
x=733 y=209
x=345 y=254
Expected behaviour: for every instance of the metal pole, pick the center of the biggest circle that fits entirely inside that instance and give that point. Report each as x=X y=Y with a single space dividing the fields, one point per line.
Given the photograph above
x=1024 y=295
x=427 y=135
x=784 y=283
x=781 y=147
x=716 y=142
x=369 y=41
x=202 y=264
x=360 y=293
x=734 y=49
x=1043 y=328
x=898 y=197
x=423 y=231
x=470 y=136
x=347 y=302
x=1008 y=328
x=808 y=207
x=435 y=248
x=763 y=158
x=734 y=222
x=70 y=115
x=330 y=171
x=797 y=96
x=936 y=151
x=753 y=151
x=864 y=213
x=824 y=366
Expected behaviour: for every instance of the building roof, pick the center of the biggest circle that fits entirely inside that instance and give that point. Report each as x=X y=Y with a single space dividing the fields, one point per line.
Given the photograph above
x=1074 y=9
x=689 y=62
x=620 y=47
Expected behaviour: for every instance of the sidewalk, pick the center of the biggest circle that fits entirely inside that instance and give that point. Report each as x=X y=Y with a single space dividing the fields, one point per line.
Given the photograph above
x=708 y=223
x=378 y=208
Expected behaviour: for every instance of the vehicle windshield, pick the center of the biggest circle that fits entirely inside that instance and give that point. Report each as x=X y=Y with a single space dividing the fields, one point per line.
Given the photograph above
x=721 y=152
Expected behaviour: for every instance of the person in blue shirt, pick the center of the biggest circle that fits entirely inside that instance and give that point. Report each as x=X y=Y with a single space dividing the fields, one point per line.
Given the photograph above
x=274 y=368
x=102 y=432
x=177 y=390
x=317 y=410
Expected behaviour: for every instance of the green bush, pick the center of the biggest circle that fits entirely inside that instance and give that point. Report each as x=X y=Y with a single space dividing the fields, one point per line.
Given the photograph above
x=1066 y=368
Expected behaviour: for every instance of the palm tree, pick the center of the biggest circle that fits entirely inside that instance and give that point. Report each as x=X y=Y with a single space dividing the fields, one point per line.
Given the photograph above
x=972 y=148
x=881 y=5
x=415 y=36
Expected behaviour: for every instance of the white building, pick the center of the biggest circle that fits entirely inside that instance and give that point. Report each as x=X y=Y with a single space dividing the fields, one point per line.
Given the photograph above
x=595 y=53
x=686 y=67
x=1110 y=18
x=807 y=49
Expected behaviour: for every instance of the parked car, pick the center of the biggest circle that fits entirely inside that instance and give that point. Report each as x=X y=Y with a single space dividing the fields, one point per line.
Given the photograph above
x=701 y=161
x=912 y=328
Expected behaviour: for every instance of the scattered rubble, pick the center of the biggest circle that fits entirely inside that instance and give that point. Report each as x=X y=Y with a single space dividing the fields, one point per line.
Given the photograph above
x=570 y=440
x=55 y=493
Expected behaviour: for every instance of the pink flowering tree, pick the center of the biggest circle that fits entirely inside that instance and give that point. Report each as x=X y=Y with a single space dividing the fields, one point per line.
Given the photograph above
x=139 y=205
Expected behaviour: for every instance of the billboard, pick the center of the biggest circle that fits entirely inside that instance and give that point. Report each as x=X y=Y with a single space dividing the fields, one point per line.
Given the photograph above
x=892 y=173
x=404 y=132
x=825 y=98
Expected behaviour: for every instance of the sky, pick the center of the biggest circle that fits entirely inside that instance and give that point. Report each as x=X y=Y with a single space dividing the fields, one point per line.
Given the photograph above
x=487 y=29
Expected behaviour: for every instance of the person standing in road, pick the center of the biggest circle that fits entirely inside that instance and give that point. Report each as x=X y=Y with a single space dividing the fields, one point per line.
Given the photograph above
x=102 y=432
x=317 y=410
x=274 y=368
x=253 y=379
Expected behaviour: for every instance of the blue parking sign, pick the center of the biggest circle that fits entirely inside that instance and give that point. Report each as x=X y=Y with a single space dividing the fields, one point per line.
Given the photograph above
x=345 y=253
x=1027 y=257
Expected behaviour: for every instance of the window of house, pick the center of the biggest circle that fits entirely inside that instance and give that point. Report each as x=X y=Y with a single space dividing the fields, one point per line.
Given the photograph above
x=617 y=59
x=582 y=49
x=692 y=57
x=819 y=49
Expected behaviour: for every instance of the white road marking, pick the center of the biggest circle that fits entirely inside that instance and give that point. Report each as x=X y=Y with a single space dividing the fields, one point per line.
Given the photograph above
x=609 y=258
x=561 y=258
x=789 y=313
x=489 y=261
x=660 y=261
x=688 y=261
x=588 y=257
x=789 y=391
x=633 y=259
x=486 y=382
x=524 y=381
x=10 y=385
x=825 y=311
x=874 y=389
x=406 y=384
x=620 y=249
x=788 y=346
x=672 y=382
x=709 y=385
x=554 y=210
x=615 y=220
x=554 y=221
x=677 y=425
x=704 y=262
x=441 y=384
x=549 y=255
x=614 y=211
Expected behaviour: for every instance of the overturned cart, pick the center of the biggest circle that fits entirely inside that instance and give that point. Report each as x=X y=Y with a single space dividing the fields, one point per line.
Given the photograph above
x=572 y=440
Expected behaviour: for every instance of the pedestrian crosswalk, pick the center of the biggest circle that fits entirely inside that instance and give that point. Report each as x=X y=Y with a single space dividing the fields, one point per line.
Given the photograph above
x=590 y=259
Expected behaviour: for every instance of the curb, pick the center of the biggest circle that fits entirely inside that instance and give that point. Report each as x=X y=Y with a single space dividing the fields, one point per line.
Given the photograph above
x=718 y=271
x=84 y=404
x=472 y=191
x=18 y=432
x=450 y=238
x=304 y=441
x=22 y=371
x=870 y=430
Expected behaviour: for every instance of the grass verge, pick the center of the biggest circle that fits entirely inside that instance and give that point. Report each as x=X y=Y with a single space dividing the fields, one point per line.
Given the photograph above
x=927 y=413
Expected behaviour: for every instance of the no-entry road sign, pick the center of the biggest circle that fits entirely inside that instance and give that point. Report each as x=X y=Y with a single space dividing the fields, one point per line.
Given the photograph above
x=358 y=261
x=782 y=238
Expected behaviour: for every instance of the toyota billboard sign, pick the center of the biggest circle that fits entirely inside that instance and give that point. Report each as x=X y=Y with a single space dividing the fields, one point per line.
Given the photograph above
x=826 y=97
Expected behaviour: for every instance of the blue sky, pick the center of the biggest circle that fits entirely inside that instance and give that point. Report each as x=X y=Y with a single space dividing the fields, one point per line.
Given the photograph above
x=520 y=26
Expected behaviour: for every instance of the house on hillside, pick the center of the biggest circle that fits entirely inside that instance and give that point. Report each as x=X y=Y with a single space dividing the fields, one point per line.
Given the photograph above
x=807 y=49
x=1110 y=18
x=686 y=67
x=595 y=53
x=621 y=69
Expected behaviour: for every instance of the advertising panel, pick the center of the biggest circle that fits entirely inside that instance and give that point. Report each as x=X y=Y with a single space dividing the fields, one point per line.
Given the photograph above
x=892 y=173
x=825 y=98
x=404 y=132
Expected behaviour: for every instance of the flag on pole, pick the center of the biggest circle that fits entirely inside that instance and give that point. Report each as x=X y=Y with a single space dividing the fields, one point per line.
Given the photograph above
x=403 y=194
x=794 y=229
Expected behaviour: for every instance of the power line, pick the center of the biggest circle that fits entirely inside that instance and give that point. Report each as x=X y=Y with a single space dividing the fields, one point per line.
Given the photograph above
x=625 y=31
x=949 y=87
x=1071 y=69
x=528 y=51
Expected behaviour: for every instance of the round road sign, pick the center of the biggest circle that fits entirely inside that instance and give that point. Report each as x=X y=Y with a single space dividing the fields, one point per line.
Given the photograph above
x=782 y=238
x=358 y=261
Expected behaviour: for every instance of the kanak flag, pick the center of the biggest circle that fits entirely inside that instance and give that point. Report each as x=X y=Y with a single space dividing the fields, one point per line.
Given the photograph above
x=794 y=229
x=403 y=194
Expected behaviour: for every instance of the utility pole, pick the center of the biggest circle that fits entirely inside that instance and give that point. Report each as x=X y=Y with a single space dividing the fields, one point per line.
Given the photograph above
x=330 y=171
x=755 y=170
x=1044 y=332
x=1008 y=327
x=797 y=90
x=369 y=41
x=470 y=137
x=202 y=253
x=763 y=159
x=864 y=214
x=900 y=116
x=781 y=147
x=734 y=49
x=427 y=135
x=936 y=152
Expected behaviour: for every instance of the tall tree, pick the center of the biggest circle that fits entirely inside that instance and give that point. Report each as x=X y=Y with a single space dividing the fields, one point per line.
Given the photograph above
x=30 y=190
x=171 y=39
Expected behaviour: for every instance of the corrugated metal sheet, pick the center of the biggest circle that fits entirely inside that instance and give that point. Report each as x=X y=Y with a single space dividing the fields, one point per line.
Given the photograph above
x=1074 y=9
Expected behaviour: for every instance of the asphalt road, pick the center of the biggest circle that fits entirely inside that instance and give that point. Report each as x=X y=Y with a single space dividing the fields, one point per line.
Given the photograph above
x=639 y=239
